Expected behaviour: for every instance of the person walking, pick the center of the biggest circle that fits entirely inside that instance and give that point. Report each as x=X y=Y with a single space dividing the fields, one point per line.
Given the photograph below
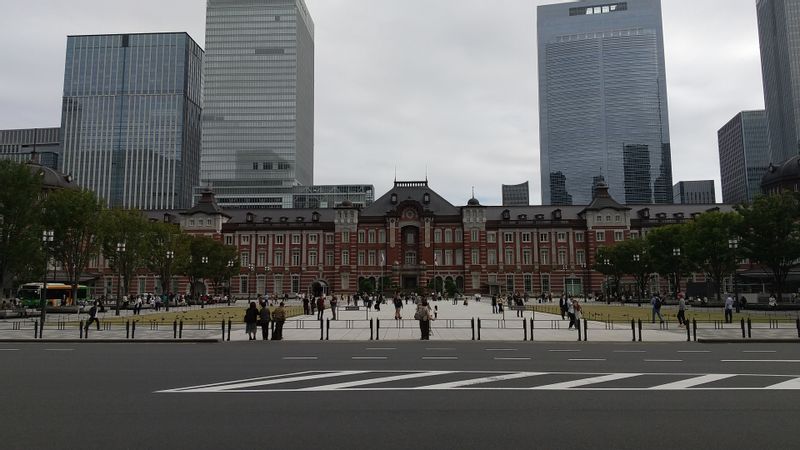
x=93 y=317
x=334 y=302
x=729 y=309
x=656 y=303
x=250 y=320
x=576 y=305
x=571 y=312
x=278 y=318
x=264 y=317
x=398 y=305
x=681 y=311
x=494 y=304
x=312 y=302
x=520 y=306
x=424 y=316
x=562 y=305
x=320 y=307
x=306 y=307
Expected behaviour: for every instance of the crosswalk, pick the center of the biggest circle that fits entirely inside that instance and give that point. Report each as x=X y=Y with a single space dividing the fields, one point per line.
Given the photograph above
x=443 y=380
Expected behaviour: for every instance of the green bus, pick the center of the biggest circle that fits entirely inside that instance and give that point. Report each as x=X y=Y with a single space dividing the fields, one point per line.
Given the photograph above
x=58 y=294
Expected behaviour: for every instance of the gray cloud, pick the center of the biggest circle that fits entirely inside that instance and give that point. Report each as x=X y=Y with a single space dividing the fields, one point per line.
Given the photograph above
x=450 y=85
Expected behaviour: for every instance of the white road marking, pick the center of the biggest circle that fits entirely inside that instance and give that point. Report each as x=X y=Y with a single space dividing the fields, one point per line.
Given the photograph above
x=694 y=351
x=759 y=351
x=299 y=358
x=271 y=377
x=381 y=348
x=564 y=351
x=663 y=360
x=241 y=386
x=349 y=384
x=512 y=359
x=586 y=381
x=790 y=385
x=440 y=357
x=630 y=351
x=501 y=349
x=440 y=349
x=482 y=380
x=691 y=382
x=587 y=359
x=761 y=360
x=9 y=349
x=368 y=357
x=59 y=349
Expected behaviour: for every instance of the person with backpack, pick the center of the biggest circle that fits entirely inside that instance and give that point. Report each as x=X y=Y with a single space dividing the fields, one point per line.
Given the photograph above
x=250 y=320
x=571 y=312
x=656 y=303
x=681 y=311
x=334 y=302
x=93 y=317
x=264 y=317
x=398 y=305
x=320 y=307
x=278 y=317
x=424 y=316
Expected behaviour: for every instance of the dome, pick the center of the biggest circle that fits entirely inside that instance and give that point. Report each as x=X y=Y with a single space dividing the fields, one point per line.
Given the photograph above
x=52 y=179
x=347 y=204
x=473 y=202
x=788 y=171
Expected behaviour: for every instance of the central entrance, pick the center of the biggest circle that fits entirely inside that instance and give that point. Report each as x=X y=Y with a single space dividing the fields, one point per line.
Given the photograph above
x=410 y=282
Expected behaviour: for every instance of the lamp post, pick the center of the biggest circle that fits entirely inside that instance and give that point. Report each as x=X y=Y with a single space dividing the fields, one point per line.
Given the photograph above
x=733 y=244
x=120 y=251
x=607 y=263
x=676 y=253
x=250 y=268
x=47 y=241
x=230 y=270
x=204 y=261
x=584 y=271
x=170 y=257
x=637 y=258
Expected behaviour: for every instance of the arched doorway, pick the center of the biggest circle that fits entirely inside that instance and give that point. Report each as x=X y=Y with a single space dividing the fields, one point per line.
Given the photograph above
x=319 y=288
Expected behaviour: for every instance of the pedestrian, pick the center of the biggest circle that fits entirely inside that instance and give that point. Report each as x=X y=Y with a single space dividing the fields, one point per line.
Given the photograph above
x=306 y=307
x=398 y=305
x=424 y=316
x=494 y=304
x=312 y=302
x=278 y=318
x=562 y=305
x=334 y=302
x=500 y=306
x=250 y=320
x=656 y=303
x=264 y=318
x=729 y=309
x=520 y=306
x=681 y=311
x=570 y=312
x=576 y=305
x=93 y=317
x=320 y=307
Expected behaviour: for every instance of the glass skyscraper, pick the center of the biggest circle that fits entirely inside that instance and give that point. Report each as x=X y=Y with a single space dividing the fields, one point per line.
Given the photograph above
x=22 y=145
x=779 y=34
x=743 y=156
x=258 y=122
x=603 y=102
x=516 y=195
x=131 y=116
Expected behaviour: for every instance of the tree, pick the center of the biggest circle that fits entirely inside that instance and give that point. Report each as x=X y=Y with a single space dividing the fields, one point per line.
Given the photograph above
x=668 y=255
x=634 y=259
x=609 y=263
x=770 y=235
x=209 y=260
x=20 y=223
x=73 y=216
x=450 y=287
x=366 y=285
x=706 y=241
x=167 y=249
x=124 y=244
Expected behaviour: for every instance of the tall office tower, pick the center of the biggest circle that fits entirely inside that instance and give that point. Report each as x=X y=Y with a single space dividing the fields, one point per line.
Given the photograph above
x=516 y=195
x=258 y=122
x=694 y=193
x=779 y=34
x=41 y=144
x=130 y=118
x=603 y=102
x=743 y=156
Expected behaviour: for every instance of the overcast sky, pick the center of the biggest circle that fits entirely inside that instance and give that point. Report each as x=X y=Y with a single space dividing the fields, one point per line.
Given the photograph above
x=450 y=85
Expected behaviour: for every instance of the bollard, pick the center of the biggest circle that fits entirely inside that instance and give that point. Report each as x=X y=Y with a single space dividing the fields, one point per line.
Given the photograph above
x=133 y=330
x=640 y=330
x=229 y=329
x=749 y=328
x=633 y=329
x=532 y=323
x=798 y=327
x=479 y=328
x=36 y=330
x=694 y=327
x=525 y=330
x=472 y=325
x=378 y=329
x=688 y=331
x=585 y=330
x=321 y=330
x=180 y=330
x=743 y=333
x=371 y=336
x=223 y=330
x=328 y=330
x=578 y=327
x=175 y=330
x=127 y=329
x=80 y=328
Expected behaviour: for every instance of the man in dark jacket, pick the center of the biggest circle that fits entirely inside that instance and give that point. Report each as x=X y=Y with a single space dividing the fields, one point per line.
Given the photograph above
x=264 y=318
x=93 y=317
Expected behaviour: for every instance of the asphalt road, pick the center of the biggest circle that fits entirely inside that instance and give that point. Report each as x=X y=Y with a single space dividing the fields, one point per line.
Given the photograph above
x=398 y=395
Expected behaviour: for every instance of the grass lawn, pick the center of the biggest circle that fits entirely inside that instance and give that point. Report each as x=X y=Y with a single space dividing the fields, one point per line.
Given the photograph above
x=606 y=313
x=235 y=314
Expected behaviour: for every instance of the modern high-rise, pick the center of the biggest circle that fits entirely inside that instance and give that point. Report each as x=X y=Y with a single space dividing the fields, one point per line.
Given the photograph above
x=603 y=102
x=516 y=195
x=258 y=121
x=743 y=156
x=779 y=34
x=131 y=116
x=694 y=193
x=41 y=144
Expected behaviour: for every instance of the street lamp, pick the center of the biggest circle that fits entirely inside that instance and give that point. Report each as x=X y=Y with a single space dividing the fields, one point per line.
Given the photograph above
x=170 y=257
x=230 y=270
x=676 y=252
x=637 y=258
x=204 y=261
x=251 y=269
x=733 y=244
x=120 y=251
x=607 y=263
x=47 y=241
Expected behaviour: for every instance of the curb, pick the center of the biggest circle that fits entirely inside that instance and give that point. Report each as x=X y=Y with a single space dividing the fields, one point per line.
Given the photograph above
x=748 y=341
x=109 y=341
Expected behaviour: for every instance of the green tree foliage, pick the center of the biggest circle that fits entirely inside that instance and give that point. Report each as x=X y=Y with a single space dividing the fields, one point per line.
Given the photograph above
x=75 y=218
x=167 y=249
x=450 y=287
x=209 y=260
x=770 y=235
x=124 y=244
x=366 y=285
x=609 y=263
x=634 y=259
x=662 y=244
x=20 y=223
x=707 y=245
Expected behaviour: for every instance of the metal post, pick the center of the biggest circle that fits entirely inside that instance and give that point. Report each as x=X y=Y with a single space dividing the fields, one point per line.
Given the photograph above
x=133 y=330
x=328 y=330
x=585 y=330
x=472 y=325
x=633 y=329
x=378 y=329
x=180 y=330
x=579 y=332
x=223 y=330
x=798 y=328
x=688 y=332
x=694 y=327
x=80 y=327
x=479 y=328
x=36 y=330
x=743 y=333
x=371 y=335
x=175 y=329
x=525 y=330
x=229 y=330
x=127 y=329
x=321 y=330
x=749 y=328
x=640 y=330
x=532 y=323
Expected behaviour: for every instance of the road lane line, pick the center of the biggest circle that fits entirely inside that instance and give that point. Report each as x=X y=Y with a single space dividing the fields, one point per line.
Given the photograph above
x=691 y=382
x=482 y=380
x=760 y=360
x=586 y=381
x=368 y=357
x=349 y=384
x=630 y=351
x=512 y=359
x=236 y=387
x=564 y=351
x=501 y=349
x=663 y=360
x=759 y=351
x=793 y=384
x=300 y=358
x=587 y=359
x=440 y=357
x=59 y=349
x=381 y=348
x=440 y=349
x=694 y=351
x=9 y=349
